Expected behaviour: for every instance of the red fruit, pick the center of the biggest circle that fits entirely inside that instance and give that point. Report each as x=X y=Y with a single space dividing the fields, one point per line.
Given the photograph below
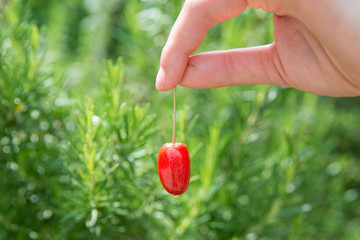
x=174 y=167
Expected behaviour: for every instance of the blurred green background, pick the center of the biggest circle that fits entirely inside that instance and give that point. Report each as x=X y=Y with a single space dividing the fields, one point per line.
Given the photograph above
x=81 y=125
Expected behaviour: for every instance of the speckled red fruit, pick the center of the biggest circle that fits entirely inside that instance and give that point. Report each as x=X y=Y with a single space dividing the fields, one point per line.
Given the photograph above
x=174 y=167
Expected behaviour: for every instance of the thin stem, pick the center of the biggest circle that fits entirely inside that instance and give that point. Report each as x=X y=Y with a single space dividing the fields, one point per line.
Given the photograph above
x=174 y=118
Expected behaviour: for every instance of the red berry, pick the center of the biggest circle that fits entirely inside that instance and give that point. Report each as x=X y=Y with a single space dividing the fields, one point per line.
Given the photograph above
x=174 y=167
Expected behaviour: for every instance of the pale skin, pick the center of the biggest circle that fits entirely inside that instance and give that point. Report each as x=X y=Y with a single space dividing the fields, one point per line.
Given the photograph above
x=316 y=48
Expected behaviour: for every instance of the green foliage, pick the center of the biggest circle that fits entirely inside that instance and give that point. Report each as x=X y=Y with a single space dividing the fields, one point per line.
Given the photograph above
x=30 y=129
x=79 y=135
x=108 y=149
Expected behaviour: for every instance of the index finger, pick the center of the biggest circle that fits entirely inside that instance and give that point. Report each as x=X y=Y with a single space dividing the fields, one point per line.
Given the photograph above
x=187 y=34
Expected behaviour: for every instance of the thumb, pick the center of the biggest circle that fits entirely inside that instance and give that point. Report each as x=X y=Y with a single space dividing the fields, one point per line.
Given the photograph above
x=255 y=65
x=189 y=30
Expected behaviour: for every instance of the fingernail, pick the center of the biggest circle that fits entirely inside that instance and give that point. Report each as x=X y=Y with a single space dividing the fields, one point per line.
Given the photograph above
x=160 y=79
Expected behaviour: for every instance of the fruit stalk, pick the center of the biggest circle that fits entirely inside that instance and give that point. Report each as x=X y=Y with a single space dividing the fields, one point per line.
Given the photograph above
x=174 y=118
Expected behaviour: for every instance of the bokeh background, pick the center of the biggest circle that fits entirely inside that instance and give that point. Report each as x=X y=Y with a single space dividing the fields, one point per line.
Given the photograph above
x=81 y=125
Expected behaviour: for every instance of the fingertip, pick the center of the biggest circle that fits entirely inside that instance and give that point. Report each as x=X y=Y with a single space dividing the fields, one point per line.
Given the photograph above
x=171 y=72
x=162 y=83
x=160 y=80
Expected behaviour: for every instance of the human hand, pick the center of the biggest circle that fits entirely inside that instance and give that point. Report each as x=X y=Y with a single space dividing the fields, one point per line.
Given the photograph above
x=316 y=48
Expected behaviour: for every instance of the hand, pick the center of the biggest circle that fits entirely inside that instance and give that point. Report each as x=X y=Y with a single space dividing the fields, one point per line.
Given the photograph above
x=316 y=48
